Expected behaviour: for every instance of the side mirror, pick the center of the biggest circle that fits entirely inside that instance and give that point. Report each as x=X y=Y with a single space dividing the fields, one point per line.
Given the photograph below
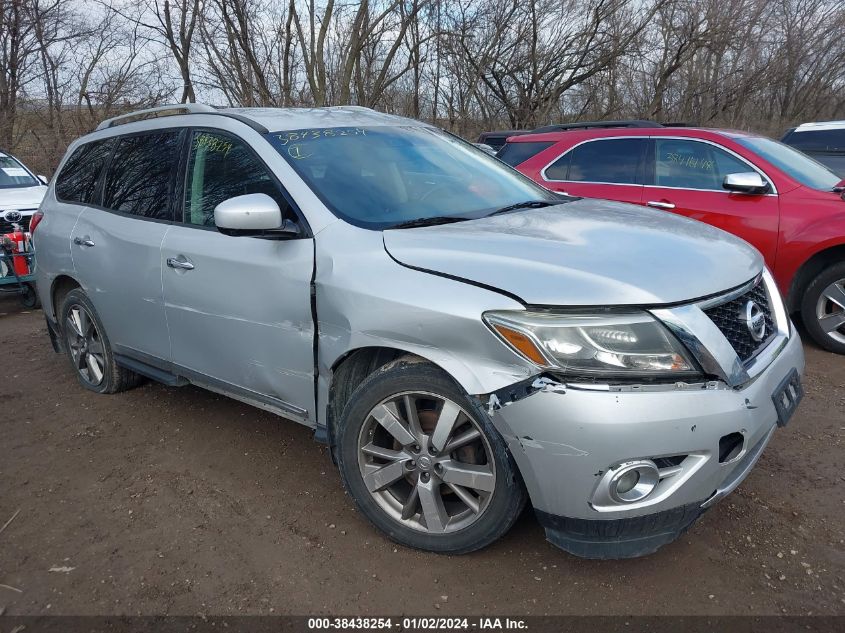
x=253 y=214
x=746 y=182
x=43 y=179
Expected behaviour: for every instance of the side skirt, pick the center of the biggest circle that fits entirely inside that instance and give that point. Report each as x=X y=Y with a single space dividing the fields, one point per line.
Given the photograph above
x=174 y=375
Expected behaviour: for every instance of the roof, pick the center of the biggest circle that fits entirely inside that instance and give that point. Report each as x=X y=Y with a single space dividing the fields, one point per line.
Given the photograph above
x=583 y=134
x=278 y=119
x=269 y=119
x=820 y=125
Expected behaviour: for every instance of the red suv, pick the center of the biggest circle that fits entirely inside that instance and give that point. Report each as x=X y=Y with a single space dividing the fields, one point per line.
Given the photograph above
x=783 y=202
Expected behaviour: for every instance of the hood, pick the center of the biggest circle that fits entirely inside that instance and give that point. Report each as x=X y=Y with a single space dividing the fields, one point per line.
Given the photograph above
x=583 y=253
x=22 y=197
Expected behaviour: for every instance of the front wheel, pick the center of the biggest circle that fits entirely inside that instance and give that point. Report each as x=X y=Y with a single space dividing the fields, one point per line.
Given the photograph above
x=424 y=464
x=823 y=308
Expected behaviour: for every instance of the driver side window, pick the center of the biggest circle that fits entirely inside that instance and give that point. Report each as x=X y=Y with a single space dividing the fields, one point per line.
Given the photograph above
x=220 y=167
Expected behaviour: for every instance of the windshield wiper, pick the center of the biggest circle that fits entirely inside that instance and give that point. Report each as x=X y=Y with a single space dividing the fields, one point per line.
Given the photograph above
x=529 y=204
x=432 y=221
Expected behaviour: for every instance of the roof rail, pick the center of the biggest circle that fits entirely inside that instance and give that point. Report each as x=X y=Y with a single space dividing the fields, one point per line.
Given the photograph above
x=583 y=125
x=151 y=113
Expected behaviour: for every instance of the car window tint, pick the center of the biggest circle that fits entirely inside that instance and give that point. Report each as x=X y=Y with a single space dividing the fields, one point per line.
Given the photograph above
x=222 y=167
x=817 y=140
x=794 y=163
x=613 y=161
x=77 y=181
x=690 y=164
x=140 y=176
x=559 y=170
x=517 y=153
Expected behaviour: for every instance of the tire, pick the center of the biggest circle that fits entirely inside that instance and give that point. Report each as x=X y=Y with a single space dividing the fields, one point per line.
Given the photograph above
x=78 y=320
x=29 y=298
x=823 y=306
x=479 y=489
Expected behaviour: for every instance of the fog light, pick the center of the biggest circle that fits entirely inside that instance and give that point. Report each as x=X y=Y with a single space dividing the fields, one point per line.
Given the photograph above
x=627 y=481
x=634 y=482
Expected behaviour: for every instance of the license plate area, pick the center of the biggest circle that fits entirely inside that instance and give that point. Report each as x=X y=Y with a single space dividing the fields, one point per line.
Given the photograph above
x=787 y=397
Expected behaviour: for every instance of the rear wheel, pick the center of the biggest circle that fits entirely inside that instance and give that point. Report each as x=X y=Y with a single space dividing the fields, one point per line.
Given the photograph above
x=823 y=308
x=423 y=464
x=88 y=347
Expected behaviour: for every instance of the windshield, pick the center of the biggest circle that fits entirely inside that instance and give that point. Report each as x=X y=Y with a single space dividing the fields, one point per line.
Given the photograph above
x=379 y=177
x=797 y=165
x=13 y=174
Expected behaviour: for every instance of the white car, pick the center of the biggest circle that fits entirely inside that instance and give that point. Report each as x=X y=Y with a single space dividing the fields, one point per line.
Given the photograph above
x=21 y=192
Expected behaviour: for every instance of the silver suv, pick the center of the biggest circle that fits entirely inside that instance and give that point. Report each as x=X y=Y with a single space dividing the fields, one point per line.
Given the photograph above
x=464 y=340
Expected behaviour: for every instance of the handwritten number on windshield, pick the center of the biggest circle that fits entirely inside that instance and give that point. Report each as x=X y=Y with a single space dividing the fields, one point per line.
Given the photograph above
x=298 y=136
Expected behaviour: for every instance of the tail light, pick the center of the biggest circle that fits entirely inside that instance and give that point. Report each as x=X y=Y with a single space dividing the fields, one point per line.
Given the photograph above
x=35 y=220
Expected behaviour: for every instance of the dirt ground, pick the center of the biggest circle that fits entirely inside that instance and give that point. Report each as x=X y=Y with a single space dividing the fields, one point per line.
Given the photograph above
x=178 y=501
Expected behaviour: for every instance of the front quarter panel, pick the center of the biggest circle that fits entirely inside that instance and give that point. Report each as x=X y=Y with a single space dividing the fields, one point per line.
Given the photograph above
x=366 y=299
x=811 y=221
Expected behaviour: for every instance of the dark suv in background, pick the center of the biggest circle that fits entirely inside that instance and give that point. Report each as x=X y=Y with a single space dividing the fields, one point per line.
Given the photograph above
x=498 y=138
x=823 y=141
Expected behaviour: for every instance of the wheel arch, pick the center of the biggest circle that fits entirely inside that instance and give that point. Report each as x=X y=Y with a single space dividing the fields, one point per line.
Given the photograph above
x=811 y=267
x=349 y=371
x=61 y=285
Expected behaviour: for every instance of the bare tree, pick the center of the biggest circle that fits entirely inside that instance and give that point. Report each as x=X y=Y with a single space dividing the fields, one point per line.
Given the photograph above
x=468 y=65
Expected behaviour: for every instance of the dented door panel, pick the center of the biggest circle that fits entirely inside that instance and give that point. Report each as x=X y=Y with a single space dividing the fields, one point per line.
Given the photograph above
x=242 y=314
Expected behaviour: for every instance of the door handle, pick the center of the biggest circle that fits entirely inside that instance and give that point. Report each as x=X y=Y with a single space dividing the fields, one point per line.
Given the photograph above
x=661 y=205
x=83 y=241
x=182 y=263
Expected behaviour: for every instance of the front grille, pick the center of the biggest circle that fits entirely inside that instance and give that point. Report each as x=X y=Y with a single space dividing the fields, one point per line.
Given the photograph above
x=8 y=227
x=729 y=317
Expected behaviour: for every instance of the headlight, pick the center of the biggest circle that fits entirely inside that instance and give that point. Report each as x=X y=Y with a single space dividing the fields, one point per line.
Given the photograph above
x=630 y=344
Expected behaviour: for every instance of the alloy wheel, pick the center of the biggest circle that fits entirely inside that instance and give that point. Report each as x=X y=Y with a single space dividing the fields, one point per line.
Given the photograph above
x=426 y=462
x=830 y=311
x=85 y=345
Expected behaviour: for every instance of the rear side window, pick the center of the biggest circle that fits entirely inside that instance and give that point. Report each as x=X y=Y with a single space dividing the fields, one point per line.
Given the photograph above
x=77 y=182
x=817 y=140
x=141 y=175
x=615 y=161
x=517 y=153
x=222 y=167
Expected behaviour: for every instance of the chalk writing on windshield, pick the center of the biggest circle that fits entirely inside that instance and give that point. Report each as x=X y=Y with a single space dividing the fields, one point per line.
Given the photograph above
x=298 y=136
x=295 y=151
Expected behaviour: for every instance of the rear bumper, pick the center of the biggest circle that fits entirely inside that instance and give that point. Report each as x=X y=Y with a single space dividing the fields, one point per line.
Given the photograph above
x=566 y=441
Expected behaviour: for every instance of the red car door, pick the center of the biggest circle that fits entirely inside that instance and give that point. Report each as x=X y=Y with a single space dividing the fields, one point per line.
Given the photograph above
x=685 y=176
x=610 y=168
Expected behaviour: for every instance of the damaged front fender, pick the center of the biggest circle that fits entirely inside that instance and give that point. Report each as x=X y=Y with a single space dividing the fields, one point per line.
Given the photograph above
x=365 y=299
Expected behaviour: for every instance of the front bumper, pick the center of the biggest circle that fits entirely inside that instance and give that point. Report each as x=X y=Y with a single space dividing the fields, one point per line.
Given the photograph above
x=565 y=440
